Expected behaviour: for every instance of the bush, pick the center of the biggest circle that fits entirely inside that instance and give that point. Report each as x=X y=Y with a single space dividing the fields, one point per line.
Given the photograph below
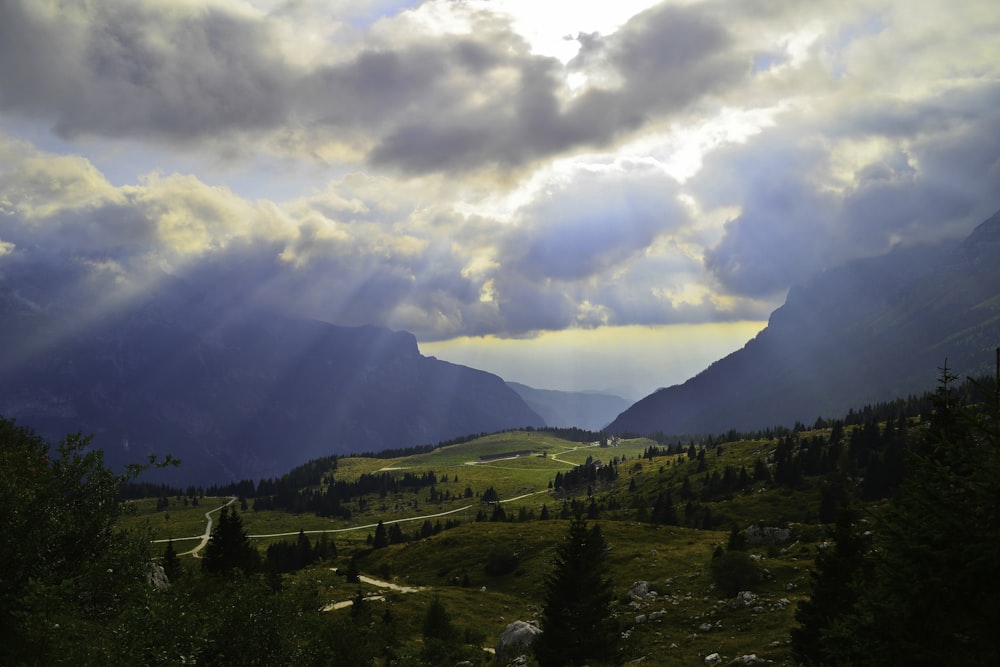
x=501 y=560
x=734 y=571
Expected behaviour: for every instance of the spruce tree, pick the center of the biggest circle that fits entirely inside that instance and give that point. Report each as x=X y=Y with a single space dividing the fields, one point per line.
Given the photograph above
x=171 y=563
x=576 y=619
x=929 y=593
x=229 y=548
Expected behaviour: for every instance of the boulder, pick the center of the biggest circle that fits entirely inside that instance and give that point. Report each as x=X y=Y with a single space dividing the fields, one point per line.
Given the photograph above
x=758 y=535
x=517 y=638
x=157 y=577
x=640 y=590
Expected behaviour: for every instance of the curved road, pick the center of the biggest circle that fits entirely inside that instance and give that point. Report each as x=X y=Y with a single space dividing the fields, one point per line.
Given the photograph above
x=204 y=537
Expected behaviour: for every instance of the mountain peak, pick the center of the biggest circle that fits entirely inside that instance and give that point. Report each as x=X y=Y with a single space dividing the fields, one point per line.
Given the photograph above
x=870 y=330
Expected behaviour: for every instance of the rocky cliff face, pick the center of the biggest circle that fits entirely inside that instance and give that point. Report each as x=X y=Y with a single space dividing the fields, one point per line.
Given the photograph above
x=244 y=396
x=871 y=330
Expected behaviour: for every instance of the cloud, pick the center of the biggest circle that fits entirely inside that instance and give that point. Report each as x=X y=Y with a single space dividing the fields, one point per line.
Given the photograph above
x=853 y=181
x=419 y=103
x=688 y=165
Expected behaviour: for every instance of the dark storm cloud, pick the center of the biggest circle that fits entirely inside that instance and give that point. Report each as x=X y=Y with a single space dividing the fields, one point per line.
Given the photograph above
x=938 y=175
x=128 y=69
x=119 y=69
x=660 y=62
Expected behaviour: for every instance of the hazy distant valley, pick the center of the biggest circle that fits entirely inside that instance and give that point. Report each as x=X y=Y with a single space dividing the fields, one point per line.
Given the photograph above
x=718 y=499
x=245 y=393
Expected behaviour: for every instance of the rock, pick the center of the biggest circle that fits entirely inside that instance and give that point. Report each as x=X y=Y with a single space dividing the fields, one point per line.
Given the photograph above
x=713 y=659
x=750 y=659
x=757 y=535
x=516 y=638
x=641 y=618
x=747 y=597
x=705 y=627
x=640 y=589
x=157 y=577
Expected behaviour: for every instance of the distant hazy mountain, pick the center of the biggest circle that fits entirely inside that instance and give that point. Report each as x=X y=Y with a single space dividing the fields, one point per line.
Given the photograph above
x=245 y=397
x=867 y=331
x=587 y=410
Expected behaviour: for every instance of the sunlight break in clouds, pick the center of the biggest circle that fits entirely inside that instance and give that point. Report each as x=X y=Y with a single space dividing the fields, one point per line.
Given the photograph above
x=490 y=175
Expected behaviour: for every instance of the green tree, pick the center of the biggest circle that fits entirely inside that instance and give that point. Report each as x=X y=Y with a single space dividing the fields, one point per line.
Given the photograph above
x=229 y=549
x=441 y=642
x=930 y=594
x=576 y=621
x=67 y=569
x=381 y=536
x=171 y=563
x=733 y=571
x=834 y=592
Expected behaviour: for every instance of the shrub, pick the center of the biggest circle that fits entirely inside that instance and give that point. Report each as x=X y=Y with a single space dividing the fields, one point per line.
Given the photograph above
x=734 y=571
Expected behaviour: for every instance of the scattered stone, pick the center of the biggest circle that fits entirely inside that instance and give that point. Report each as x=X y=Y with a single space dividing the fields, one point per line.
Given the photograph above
x=157 y=577
x=517 y=637
x=757 y=535
x=790 y=586
x=747 y=597
x=641 y=590
x=713 y=659
x=705 y=627
x=750 y=659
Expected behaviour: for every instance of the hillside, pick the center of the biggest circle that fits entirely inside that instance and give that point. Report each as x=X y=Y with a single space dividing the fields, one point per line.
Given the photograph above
x=584 y=409
x=711 y=547
x=243 y=396
x=870 y=330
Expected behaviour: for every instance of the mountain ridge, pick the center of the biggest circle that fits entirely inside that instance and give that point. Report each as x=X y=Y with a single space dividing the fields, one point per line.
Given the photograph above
x=589 y=410
x=865 y=331
x=247 y=396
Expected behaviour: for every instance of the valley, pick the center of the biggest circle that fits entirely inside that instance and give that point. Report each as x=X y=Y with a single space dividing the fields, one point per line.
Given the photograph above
x=680 y=619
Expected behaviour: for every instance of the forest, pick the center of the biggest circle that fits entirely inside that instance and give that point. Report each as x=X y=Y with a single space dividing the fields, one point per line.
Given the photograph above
x=891 y=510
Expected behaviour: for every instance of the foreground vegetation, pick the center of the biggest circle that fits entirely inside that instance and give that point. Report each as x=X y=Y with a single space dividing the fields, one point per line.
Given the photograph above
x=741 y=545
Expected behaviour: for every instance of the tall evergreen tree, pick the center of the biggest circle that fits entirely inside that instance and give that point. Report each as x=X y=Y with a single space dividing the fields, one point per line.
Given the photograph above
x=576 y=619
x=834 y=592
x=930 y=594
x=381 y=536
x=171 y=563
x=229 y=548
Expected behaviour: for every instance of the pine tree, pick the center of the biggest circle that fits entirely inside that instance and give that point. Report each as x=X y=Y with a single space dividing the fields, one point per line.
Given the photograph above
x=381 y=536
x=171 y=563
x=576 y=619
x=834 y=592
x=229 y=548
x=929 y=594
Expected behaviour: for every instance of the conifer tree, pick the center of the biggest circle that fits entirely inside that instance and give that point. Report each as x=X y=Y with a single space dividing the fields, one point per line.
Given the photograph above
x=576 y=619
x=229 y=548
x=171 y=563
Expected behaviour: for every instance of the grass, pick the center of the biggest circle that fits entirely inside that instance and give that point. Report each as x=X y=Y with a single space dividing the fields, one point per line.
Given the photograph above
x=674 y=560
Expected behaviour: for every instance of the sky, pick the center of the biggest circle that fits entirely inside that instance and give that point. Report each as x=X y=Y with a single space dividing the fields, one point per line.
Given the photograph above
x=590 y=195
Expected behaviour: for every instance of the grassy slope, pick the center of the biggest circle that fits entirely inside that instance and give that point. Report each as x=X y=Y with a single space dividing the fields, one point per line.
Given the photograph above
x=673 y=560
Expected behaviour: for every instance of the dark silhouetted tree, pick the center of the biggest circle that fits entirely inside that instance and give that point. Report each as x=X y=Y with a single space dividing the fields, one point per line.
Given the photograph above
x=576 y=618
x=229 y=549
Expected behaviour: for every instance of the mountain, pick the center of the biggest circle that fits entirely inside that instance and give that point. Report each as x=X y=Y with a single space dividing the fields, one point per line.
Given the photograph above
x=867 y=331
x=244 y=396
x=588 y=410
